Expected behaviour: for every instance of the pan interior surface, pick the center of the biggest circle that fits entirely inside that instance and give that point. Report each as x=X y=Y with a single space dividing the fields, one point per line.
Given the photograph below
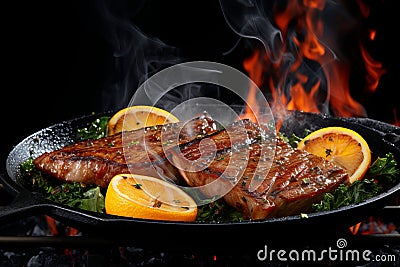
x=65 y=133
x=48 y=139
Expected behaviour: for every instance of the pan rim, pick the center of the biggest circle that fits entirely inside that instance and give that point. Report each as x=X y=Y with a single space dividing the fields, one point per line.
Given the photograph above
x=112 y=218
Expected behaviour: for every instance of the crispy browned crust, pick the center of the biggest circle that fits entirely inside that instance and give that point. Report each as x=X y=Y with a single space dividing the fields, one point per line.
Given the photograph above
x=290 y=180
x=296 y=178
x=143 y=151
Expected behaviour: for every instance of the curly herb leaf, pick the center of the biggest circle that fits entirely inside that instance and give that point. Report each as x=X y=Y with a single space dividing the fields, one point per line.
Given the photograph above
x=71 y=194
x=218 y=211
x=94 y=200
x=97 y=129
x=346 y=195
x=385 y=171
x=294 y=140
x=382 y=174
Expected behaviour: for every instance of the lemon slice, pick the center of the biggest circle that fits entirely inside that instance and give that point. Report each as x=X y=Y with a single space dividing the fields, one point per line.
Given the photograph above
x=136 y=117
x=342 y=146
x=146 y=197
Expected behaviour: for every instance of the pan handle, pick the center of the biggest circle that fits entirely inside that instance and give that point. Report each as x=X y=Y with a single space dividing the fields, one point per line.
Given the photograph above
x=22 y=206
x=23 y=203
x=18 y=202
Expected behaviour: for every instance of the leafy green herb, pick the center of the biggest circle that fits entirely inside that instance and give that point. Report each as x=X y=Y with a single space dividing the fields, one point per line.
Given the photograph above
x=218 y=211
x=71 y=194
x=346 y=195
x=385 y=171
x=94 y=200
x=294 y=140
x=382 y=174
x=97 y=129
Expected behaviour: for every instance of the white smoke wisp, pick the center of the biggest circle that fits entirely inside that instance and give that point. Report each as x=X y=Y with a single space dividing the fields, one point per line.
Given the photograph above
x=137 y=56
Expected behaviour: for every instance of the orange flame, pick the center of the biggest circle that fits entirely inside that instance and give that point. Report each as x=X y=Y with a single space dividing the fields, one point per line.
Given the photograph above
x=327 y=93
x=374 y=70
x=300 y=100
x=305 y=94
x=253 y=66
x=340 y=99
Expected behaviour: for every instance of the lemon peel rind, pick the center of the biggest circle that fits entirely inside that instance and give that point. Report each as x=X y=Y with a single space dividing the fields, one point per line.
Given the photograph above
x=146 y=211
x=363 y=166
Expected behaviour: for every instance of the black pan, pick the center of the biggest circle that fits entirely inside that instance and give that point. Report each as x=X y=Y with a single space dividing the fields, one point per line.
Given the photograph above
x=381 y=137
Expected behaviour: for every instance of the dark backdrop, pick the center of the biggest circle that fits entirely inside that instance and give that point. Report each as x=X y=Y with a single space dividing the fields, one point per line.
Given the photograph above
x=59 y=55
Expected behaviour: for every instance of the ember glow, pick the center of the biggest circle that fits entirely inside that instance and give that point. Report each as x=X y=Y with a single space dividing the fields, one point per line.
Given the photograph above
x=373 y=225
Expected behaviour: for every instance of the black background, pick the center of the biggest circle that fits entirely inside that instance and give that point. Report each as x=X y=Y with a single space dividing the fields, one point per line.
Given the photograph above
x=59 y=56
x=58 y=59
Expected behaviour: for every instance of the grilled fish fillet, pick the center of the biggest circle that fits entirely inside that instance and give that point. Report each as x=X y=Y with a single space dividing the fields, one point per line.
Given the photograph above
x=296 y=178
x=287 y=181
x=143 y=151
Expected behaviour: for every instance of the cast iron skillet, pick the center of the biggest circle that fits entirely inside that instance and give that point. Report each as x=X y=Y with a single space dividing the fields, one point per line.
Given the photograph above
x=381 y=137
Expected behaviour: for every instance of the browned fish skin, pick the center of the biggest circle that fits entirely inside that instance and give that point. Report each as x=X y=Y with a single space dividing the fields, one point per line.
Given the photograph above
x=97 y=161
x=295 y=180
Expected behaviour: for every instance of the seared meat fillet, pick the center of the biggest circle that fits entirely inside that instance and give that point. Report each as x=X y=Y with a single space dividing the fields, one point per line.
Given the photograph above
x=143 y=150
x=261 y=177
x=296 y=178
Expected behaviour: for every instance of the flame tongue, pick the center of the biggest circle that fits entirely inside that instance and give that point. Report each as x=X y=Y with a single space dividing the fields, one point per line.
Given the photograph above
x=309 y=76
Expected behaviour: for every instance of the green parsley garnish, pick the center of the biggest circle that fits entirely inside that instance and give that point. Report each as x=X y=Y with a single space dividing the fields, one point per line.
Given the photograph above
x=382 y=175
x=218 y=211
x=71 y=194
x=97 y=129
